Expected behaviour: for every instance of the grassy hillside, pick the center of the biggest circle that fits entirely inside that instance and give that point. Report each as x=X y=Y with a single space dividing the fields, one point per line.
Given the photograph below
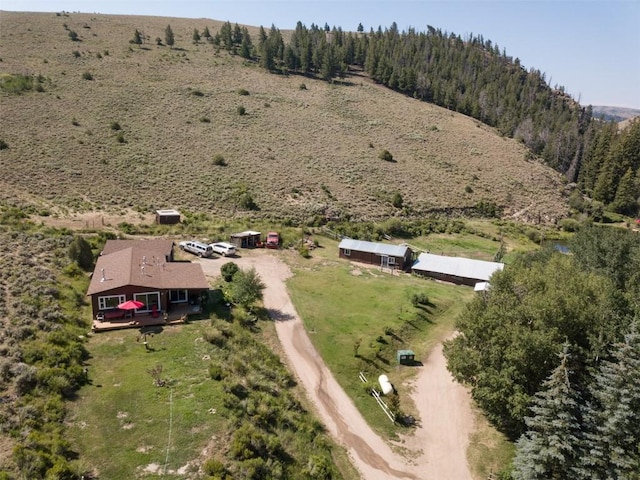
x=299 y=152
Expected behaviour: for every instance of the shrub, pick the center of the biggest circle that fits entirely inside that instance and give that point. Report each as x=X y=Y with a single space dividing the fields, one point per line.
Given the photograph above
x=197 y=93
x=386 y=156
x=243 y=92
x=76 y=53
x=214 y=468
x=73 y=270
x=216 y=372
x=205 y=119
x=215 y=337
x=120 y=138
x=241 y=110
x=219 y=160
x=228 y=270
x=115 y=126
x=73 y=36
x=397 y=200
x=302 y=86
x=87 y=76
x=16 y=83
x=569 y=225
x=468 y=189
x=3 y=145
x=247 y=202
x=419 y=299
x=75 y=123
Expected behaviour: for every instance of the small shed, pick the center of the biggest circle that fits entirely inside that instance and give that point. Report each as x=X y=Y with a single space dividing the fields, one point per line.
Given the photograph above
x=167 y=217
x=405 y=357
x=248 y=239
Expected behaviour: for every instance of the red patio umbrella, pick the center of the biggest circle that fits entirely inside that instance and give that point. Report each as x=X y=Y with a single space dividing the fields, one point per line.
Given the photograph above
x=131 y=305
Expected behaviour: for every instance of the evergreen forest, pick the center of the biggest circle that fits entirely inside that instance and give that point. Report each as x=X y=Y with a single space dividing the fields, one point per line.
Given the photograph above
x=552 y=354
x=473 y=76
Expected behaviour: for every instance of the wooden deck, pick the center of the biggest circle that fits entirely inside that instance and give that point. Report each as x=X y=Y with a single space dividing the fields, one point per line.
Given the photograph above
x=177 y=316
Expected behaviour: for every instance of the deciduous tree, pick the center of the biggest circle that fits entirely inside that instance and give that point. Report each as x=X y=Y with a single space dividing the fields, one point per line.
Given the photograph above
x=246 y=288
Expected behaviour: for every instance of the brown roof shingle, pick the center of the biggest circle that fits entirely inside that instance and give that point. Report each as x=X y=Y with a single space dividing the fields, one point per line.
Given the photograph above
x=159 y=246
x=138 y=266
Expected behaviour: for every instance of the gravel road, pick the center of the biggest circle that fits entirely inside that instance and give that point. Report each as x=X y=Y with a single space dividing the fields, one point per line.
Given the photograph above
x=437 y=449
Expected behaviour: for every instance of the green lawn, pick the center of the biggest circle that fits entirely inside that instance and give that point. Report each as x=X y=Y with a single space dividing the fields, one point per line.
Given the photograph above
x=122 y=422
x=341 y=305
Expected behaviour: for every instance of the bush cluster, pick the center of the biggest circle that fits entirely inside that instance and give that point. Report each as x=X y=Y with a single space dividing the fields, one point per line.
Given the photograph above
x=273 y=434
x=42 y=350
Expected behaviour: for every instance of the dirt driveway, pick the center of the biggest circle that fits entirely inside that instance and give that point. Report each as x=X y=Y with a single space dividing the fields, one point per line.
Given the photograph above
x=437 y=450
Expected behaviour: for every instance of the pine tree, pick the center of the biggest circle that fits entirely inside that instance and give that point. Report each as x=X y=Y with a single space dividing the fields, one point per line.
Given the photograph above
x=195 y=36
x=549 y=448
x=205 y=33
x=626 y=197
x=612 y=420
x=226 y=36
x=245 y=46
x=237 y=34
x=169 y=39
x=80 y=252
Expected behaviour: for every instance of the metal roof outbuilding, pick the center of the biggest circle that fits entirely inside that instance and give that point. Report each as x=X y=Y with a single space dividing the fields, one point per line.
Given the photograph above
x=465 y=268
x=372 y=247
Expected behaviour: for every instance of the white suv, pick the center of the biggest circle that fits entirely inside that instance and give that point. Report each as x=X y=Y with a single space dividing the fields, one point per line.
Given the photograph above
x=223 y=248
x=197 y=248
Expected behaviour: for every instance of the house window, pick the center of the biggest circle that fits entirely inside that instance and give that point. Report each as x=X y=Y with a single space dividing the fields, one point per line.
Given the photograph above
x=347 y=252
x=178 y=296
x=392 y=260
x=150 y=300
x=110 y=302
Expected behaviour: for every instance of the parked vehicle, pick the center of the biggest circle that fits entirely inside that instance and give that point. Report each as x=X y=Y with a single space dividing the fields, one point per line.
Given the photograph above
x=273 y=240
x=197 y=248
x=223 y=248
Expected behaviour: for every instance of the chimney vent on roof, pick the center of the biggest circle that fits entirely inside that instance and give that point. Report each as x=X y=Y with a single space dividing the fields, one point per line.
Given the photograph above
x=103 y=277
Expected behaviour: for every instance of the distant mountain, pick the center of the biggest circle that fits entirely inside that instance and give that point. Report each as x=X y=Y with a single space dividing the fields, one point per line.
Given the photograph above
x=616 y=114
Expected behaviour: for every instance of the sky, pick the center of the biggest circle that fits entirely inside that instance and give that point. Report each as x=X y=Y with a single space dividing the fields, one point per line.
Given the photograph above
x=590 y=47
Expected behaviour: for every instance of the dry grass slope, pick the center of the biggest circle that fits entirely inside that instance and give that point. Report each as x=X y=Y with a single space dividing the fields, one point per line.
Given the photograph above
x=300 y=152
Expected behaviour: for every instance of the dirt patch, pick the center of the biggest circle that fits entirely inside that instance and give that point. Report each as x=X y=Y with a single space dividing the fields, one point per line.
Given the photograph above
x=93 y=220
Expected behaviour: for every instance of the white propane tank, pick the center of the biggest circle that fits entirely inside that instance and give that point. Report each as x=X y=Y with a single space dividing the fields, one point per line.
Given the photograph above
x=385 y=384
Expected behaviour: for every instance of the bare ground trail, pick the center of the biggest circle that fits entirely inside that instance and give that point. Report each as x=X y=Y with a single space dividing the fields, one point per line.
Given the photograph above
x=437 y=448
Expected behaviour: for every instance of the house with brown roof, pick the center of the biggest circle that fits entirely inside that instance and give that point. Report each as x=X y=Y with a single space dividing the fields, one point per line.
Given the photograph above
x=143 y=270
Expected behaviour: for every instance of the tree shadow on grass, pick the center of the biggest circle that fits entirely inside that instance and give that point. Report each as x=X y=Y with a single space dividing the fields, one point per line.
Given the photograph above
x=423 y=316
x=396 y=337
x=382 y=359
x=369 y=362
